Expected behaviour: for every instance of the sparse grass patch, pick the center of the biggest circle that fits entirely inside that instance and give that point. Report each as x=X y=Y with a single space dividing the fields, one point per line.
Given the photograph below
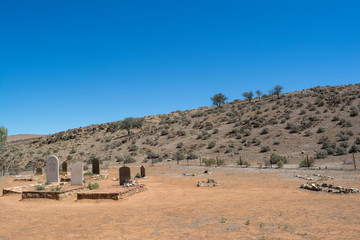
x=39 y=188
x=93 y=186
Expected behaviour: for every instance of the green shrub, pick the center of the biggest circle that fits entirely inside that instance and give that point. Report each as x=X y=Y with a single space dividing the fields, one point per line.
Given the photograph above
x=280 y=164
x=178 y=156
x=321 y=154
x=276 y=143
x=209 y=161
x=191 y=155
x=181 y=133
x=344 y=145
x=343 y=136
x=274 y=159
x=57 y=188
x=228 y=150
x=133 y=148
x=211 y=145
x=164 y=132
x=180 y=145
x=335 y=119
x=220 y=162
x=204 y=135
x=88 y=174
x=265 y=149
x=247 y=132
x=307 y=133
x=354 y=148
x=323 y=140
x=73 y=150
x=93 y=186
x=357 y=141
x=129 y=159
x=320 y=130
x=39 y=188
x=256 y=141
x=264 y=131
x=341 y=151
x=69 y=157
x=353 y=112
x=108 y=139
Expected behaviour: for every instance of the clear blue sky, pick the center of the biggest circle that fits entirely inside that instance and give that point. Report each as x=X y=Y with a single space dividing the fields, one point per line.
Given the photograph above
x=66 y=64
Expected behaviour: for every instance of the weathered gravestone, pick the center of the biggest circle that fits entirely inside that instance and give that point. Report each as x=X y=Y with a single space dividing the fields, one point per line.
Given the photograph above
x=77 y=173
x=95 y=166
x=124 y=175
x=52 y=169
x=39 y=171
x=142 y=171
x=64 y=167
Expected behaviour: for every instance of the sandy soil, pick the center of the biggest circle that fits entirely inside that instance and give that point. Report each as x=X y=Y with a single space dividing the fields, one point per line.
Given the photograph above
x=249 y=204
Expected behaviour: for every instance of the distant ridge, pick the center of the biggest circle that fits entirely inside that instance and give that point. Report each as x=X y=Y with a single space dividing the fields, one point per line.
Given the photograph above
x=13 y=138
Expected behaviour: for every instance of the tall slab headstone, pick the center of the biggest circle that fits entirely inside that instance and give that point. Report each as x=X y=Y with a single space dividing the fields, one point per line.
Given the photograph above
x=64 y=167
x=124 y=175
x=39 y=171
x=96 y=166
x=142 y=171
x=77 y=173
x=52 y=169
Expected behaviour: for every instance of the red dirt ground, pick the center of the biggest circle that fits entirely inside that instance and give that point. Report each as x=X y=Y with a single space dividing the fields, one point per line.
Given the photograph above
x=249 y=204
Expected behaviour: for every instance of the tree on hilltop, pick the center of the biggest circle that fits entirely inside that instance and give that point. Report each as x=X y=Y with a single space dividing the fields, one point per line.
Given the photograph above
x=277 y=90
x=248 y=95
x=259 y=93
x=218 y=99
x=130 y=123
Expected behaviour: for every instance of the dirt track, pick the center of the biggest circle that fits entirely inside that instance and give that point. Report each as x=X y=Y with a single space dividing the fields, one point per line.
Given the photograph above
x=249 y=204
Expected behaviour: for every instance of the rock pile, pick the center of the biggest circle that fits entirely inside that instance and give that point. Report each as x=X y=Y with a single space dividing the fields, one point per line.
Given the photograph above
x=97 y=177
x=209 y=183
x=318 y=177
x=328 y=188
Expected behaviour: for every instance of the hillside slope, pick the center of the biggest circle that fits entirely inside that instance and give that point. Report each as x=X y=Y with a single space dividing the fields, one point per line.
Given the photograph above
x=290 y=126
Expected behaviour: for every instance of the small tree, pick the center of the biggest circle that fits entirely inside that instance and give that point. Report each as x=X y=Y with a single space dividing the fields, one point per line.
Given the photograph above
x=258 y=93
x=138 y=123
x=3 y=134
x=307 y=162
x=127 y=124
x=218 y=99
x=248 y=95
x=277 y=90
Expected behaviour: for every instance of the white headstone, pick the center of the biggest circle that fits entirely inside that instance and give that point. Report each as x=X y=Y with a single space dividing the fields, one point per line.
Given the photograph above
x=52 y=169
x=77 y=173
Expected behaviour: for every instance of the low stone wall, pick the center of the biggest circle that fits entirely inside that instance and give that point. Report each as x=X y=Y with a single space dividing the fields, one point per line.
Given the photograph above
x=16 y=190
x=328 y=188
x=10 y=190
x=112 y=195
x=56 y=195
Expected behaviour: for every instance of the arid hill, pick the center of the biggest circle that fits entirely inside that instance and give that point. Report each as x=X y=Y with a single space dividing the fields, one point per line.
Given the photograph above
x=18 y=137
x=321 y=122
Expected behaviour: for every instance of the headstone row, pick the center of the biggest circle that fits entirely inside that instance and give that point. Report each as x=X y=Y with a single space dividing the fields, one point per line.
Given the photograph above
x=52 y=171
x=77 y=171
x=125 y=176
